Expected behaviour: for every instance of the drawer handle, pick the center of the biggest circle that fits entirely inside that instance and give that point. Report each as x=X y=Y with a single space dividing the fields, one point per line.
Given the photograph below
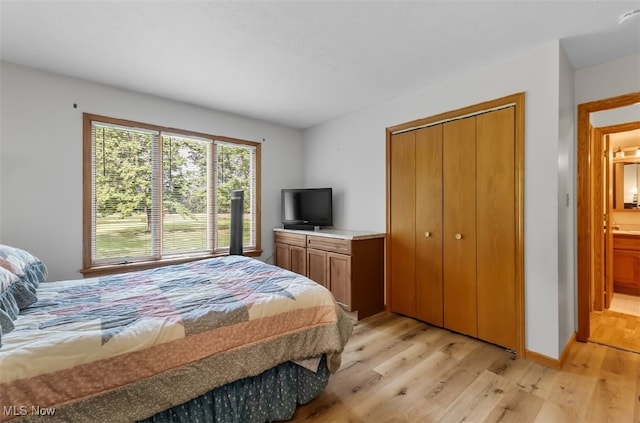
x=427 y=234
x=458 y=236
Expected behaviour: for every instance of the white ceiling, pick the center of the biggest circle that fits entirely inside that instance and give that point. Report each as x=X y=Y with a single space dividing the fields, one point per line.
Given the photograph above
x=299 y=63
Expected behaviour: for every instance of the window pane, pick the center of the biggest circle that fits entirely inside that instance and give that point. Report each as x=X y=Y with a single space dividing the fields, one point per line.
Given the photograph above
x=184 y=195
x=123 y=185
x=156 y=195
x=235 y=170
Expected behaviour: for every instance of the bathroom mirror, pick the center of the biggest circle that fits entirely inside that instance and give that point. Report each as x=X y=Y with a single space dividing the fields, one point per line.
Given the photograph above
x=626 y=181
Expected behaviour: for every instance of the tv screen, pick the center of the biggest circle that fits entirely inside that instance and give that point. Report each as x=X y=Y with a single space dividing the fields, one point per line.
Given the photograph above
x=303 y=208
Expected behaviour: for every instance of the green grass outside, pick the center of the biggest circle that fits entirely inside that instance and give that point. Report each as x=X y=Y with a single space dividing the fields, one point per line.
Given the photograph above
x=125 y=237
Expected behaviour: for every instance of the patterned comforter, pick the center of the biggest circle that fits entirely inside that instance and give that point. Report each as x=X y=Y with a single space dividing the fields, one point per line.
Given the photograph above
x=124 y=347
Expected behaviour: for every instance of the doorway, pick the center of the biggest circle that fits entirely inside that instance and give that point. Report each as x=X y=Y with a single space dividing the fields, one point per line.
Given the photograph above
x=593 y=306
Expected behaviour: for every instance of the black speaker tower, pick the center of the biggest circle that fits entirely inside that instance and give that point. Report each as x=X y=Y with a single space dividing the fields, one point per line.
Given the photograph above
x=235 y=233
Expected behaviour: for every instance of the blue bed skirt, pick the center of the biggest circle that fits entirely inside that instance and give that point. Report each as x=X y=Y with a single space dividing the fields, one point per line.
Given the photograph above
x=269 y=396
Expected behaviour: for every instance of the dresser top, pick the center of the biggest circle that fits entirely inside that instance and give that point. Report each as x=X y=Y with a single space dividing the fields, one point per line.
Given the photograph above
x=336 y=233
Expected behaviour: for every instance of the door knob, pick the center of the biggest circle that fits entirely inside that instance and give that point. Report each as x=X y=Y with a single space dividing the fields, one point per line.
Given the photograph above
x=458 y=236
x=427 y=234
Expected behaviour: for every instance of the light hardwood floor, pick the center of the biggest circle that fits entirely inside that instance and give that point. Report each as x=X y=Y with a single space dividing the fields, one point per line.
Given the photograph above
x=615 y=329
x=396 y=369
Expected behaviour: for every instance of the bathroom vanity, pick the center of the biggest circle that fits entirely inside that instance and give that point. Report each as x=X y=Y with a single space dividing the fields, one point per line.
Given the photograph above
x=626 y=262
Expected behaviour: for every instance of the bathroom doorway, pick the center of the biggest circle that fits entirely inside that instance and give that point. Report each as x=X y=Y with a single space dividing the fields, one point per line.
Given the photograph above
x=615 y=318
x=606 y=312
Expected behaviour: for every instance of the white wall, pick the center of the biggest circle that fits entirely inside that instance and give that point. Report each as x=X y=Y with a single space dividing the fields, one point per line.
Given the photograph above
x=608 y=79
x=567 y=240
x=348 y=153
x=615 y=116
x=41 y=161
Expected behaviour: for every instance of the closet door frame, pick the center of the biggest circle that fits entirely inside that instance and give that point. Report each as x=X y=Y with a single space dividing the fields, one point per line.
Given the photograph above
x=517 y=101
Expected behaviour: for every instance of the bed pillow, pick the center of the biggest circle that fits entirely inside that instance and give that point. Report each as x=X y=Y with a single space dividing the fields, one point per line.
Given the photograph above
x=6 y=325
x=8 y=306
x=23 y=264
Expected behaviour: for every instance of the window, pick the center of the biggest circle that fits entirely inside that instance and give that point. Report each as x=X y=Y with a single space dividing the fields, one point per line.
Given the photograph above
x=155 y=195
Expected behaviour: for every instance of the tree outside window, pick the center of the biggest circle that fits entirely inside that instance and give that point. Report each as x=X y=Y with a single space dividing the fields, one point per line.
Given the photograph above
x=157 y=194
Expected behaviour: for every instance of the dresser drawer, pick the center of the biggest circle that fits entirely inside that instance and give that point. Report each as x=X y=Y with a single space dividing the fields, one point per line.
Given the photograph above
x=334 y=245
x=626 y=242
x=299 y=240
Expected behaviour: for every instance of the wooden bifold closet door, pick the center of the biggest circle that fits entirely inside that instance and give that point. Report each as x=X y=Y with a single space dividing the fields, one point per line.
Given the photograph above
x=429 y=225
x=496 y=227
x=403 y=224
x=452 y=225
x=459 y=209
x=416 y=224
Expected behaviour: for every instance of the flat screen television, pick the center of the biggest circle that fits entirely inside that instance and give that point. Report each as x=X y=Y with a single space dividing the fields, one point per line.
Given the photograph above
x=306 y=208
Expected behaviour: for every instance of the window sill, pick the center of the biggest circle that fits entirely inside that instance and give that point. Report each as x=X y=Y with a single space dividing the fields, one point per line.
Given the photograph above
x=109 y=269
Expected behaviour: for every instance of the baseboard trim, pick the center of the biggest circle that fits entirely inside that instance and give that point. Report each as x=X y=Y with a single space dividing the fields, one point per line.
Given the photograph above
x=554 y=363
x=567 y=348
x=545 y=360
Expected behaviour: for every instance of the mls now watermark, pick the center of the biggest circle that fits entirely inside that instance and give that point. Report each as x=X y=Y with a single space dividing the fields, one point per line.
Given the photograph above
x=23 y=410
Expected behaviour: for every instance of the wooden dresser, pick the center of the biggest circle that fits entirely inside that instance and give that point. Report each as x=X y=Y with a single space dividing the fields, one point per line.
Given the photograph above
x=348 y=263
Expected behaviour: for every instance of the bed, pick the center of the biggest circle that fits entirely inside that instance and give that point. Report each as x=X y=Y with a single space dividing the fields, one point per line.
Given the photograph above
x=221 y=339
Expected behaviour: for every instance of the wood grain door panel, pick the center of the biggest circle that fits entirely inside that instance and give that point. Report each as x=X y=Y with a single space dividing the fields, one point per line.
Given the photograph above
x=283 y=256
x=428 y=236
x=496 y=226
x=626 y=267
x=339 y=273
x=317 y=266
x=459 y=172
x=298 y=259
x=402 y=224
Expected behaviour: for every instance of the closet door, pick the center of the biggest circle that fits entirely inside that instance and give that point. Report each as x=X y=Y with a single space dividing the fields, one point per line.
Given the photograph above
x=496 y=220
x=428 y=236
x=459 y=235
x=402 y=211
